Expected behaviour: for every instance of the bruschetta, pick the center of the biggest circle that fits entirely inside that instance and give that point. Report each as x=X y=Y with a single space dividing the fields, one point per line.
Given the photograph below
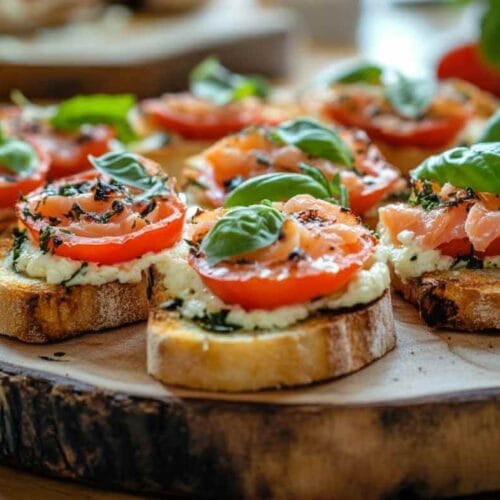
x=409 y=119
x=343 y=156
x=444 y=243
x=218 y=103
x=72 y=130
x=23 y=167
x=269 y=295
x=80 y=255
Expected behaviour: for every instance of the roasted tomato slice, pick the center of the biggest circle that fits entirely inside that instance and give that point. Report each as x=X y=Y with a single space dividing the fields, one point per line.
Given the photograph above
x=68 y=151
x=251 y=153
x=89 y=218
x=353 y=108
x=456 y=248
x=13 y=186
x=321 y=248
x=195 y=118
x=465 y=62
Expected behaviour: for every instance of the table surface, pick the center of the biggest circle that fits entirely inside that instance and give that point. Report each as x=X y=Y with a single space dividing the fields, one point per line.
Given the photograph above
x=386 y=34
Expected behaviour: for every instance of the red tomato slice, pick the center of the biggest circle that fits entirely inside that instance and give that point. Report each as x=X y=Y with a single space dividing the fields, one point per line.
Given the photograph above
x=465 y=62
x=12 y=186
x=270 y=278
x=493 y=248
x=69 y=151
x=426 y=133
x=456 y=248
x=198 y=119
x=463 y=248
x=99 y=222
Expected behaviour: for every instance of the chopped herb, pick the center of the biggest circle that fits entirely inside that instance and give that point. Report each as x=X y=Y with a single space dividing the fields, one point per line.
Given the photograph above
x=469 y=261
x=425 y=197
x=28 y=214
x=102 y=191
x=172 y=304
x=20 y=237
x=75 y=212
x=216 y=322
x=148 y=209
x=45 y=235
x=54 y=221
x=67 y=282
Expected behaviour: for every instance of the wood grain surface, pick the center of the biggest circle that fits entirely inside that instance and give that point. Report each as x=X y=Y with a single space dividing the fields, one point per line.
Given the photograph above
x=423 y=420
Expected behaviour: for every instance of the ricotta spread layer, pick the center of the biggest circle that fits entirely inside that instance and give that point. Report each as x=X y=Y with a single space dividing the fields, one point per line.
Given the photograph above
x=56 y=270
x=411 y=260
x=197 y=301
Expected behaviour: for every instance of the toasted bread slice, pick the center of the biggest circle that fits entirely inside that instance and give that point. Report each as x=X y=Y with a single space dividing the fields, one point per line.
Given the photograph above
x=173 y=156
x=35 y=312
x=463 y=299
x=325 y=346
x=406 y=158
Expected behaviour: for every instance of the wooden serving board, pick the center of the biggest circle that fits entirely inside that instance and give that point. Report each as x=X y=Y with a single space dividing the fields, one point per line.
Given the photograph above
x=422 y=421
x=146 y=55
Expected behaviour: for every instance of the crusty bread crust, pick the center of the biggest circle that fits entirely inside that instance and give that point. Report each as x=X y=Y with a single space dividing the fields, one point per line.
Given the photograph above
x=35 y=312
x=325 y=346
x=464 y=299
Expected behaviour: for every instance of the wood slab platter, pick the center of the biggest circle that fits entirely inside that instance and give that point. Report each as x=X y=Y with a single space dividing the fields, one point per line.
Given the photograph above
x=146 y=55
x=422 y=421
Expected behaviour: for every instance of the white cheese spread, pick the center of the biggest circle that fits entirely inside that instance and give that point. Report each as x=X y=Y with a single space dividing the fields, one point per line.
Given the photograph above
x=411 y=260
x=182 y=282
x=55 y=270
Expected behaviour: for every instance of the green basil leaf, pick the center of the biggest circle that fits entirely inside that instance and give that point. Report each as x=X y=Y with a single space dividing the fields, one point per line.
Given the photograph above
x=242 y=230
x=210 y=80
x=96 y=109
x=336 y=190
x=314 y=139
x=275 y=187
x=409 y=97
x=317 y=175
x=477 y=167
x=125 y=168
x=17 y=156
x=490 y=33
x=339 y=191
x=363 y=72
x=491 y=132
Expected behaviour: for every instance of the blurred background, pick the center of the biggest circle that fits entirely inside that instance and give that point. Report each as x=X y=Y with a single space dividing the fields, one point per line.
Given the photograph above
x=56 y=48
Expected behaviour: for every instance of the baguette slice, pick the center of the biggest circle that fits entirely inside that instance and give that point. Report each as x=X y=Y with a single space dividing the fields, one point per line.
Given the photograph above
x=325 y=346
x=406 y=158
x=35 y=312
x=463 y=299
